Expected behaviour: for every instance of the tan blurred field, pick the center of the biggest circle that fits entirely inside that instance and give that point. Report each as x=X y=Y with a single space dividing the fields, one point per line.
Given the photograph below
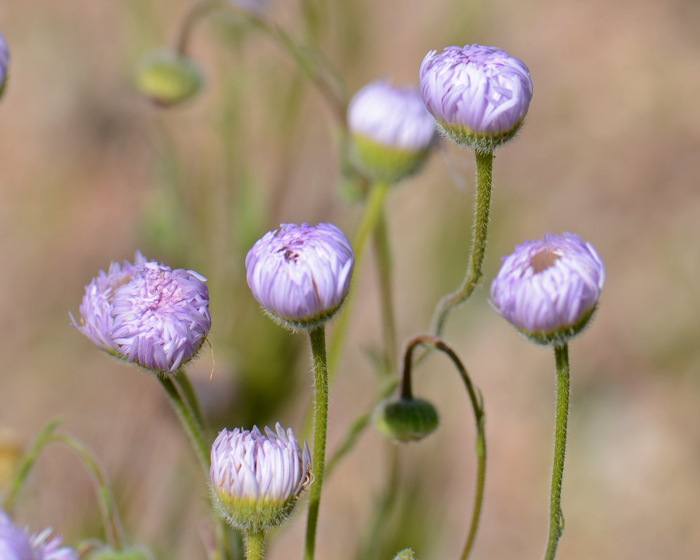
x=90 y=172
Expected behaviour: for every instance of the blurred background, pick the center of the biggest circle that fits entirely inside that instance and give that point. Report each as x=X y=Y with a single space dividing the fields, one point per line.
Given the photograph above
x=90 y=172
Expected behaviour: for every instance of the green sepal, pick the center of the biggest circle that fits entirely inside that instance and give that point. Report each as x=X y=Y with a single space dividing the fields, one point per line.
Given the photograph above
x=561 y=336
x=249 y=515
x=479 y=141
x=384 y=163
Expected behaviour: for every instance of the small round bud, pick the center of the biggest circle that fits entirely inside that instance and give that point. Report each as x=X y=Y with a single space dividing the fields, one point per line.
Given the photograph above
x=301 y=274
x=96 y=308
x=256 y=479
x=161 y=318
x=392 y=131
x=405 y=420
x=548 y=289
x=478 y=95
x=4 y=63
x=405 y=554
x=168 y=78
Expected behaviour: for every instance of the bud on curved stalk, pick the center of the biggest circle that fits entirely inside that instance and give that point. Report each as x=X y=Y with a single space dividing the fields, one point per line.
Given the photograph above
x=391 y=129
x=301 y=274
x=161 y=318
x=549 y=289
x=256 y=479
x=478 y=95
x=17 y=544
x=4 y=63
x=168 y=78
x=129 y=554
x=405 y=420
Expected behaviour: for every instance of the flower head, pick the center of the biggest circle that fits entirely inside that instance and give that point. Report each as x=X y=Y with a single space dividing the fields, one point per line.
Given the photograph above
x=391 y=129
x=16 y=544
x=549 y=288
x=301 y=274
x=256 y=479
x=253 y=6
x=96 y=308
x=161 y=317
x=4 y=62
x=478 y=95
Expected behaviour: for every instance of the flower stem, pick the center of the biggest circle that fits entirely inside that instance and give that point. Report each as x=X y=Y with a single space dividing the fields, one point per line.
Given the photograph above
x=368 y=223
x=318 y=351
x=484 y=173
x=556 y=517
x=190 y=397
x=192 y=17
x=189 y=422
x=477 y=403
x=255 y=545
x=384 y=265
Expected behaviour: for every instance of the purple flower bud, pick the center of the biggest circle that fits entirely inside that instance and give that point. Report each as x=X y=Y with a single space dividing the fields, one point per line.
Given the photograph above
x=391 y=129
x=16 y=544
x=253 y=6
x=548 y=289
x=161 y=317
x=301 y=274
x=4 y=62
x=96 y=308
x=478 y=95
x=256 y=479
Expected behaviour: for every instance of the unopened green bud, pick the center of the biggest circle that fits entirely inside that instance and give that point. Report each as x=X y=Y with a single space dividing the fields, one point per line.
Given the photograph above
x=168 y=78
x=405 y=554
x=405 y=420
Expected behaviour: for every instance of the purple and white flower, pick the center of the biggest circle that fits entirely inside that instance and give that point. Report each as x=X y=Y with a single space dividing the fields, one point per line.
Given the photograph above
x=256 y=479
x=478 y=95
x=161 y=318
x=549 y=288
x=301 y=274
x=16 y=544
x=96 y=308
x=4 y=63
x=391 y=129
x=393 y=116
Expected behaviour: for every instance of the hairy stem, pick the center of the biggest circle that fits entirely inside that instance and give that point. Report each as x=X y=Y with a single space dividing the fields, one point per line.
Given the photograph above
x=384 y=266
x=318 y=351
x=484 y=169
x=255 y=545
x=556 y=517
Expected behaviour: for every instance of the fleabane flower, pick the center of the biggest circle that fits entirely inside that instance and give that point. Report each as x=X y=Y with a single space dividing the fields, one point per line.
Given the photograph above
x=17 y=544
x=161 y=318
x=254 y=6
x=549 y=288
x=256 y=479
x=478 y=95
x=392 y=131
x=96 y=308
x=4 y=63
x=301 y=274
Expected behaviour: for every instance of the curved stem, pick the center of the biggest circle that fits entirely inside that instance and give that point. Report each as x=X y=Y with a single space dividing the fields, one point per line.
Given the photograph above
x=384 y=266
x=556 y=517
x=189 y=422
x=255 y=545
x=318 y=351
x=484 y=172
x=192 y=17
x=479 y=417
x=112 y=522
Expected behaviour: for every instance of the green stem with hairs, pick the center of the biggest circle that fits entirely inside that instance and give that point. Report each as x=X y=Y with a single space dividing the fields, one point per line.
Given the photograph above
x=556 y=517
x=318 y=352
x=255 y=545
x=190 y=397
x=484 y=176
x=189 y=422
x=384 y=266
